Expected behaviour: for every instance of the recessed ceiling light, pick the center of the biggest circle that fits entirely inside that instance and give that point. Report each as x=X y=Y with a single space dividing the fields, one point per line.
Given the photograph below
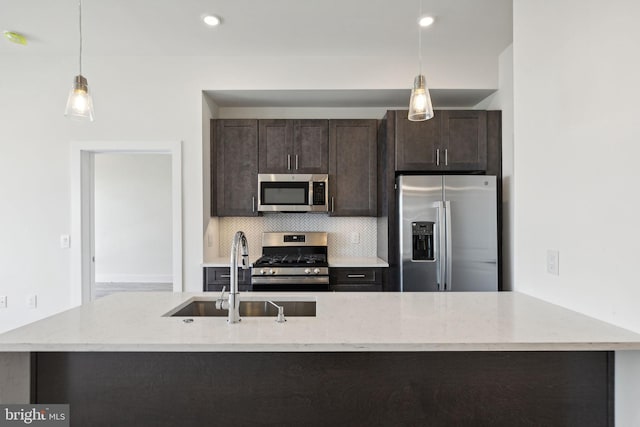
x=211 y=20
x=426 y=21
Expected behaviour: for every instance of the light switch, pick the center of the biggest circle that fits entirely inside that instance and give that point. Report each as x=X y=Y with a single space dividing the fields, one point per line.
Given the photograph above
x=65 y=241
x=355 y=237
x=32 y=301
x=553 y=262
x=3 y=301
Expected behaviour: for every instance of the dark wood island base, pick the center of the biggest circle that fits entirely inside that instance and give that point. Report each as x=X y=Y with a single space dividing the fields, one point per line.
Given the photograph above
x=553 y=388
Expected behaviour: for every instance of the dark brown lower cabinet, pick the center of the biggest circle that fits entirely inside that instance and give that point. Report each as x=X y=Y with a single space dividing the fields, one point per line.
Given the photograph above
x=522 y=388
x=215 y=278
x=356 y=279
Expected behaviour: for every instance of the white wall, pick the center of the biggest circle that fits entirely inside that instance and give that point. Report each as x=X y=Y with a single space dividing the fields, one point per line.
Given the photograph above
x=133 y=223
x=577 y=142
x=503 y=100
x=303 y=113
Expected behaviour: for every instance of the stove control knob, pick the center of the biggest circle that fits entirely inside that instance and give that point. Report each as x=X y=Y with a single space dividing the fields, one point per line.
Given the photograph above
x=307 y=271
x=263 y=271
x=272 y=271
x=316 y=271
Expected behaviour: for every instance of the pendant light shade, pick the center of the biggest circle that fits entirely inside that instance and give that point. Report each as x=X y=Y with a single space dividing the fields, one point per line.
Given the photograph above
x=420 y=107
x=79 y=103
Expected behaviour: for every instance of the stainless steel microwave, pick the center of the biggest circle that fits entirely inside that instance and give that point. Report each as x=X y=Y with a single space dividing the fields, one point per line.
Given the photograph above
x=293 y=192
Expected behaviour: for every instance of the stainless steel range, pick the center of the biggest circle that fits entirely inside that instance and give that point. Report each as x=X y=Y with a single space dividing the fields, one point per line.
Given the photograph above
x=292 y=261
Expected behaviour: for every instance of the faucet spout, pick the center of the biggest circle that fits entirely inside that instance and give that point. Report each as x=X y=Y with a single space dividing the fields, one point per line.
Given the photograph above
x=239 y=243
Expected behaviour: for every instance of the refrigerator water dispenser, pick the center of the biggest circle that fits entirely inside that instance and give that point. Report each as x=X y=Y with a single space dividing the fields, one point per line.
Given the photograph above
x=422 y=244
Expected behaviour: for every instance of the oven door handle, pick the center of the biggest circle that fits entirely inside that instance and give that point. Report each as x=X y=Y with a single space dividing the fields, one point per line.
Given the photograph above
x=302 y=280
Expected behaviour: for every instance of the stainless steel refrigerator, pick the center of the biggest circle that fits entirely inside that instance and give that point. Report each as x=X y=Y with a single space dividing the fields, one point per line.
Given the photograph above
x=448 y=233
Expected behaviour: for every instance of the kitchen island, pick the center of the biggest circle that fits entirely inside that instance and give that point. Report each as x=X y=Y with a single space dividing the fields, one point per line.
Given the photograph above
x=363 y=359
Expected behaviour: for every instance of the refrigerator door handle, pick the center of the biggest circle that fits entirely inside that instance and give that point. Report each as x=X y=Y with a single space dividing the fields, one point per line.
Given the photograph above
x=449 y=268
x=440 y=273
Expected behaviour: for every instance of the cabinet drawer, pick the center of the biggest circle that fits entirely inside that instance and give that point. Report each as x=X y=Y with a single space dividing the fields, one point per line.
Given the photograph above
x=222 y=276
x=357 y=287
x=356 y=275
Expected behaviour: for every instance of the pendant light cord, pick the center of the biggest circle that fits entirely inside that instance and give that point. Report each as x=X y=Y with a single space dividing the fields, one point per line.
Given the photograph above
x=420 y=36
x=80 y=28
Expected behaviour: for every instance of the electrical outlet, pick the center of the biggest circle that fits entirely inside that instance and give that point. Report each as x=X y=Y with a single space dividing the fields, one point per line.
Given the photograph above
x=3 y=301
x=553 y=262
x=355 y=237
x=209 y=240
x=32 y=301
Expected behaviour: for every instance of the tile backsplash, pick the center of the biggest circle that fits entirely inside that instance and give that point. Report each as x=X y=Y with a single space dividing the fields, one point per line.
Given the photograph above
x=340 y=230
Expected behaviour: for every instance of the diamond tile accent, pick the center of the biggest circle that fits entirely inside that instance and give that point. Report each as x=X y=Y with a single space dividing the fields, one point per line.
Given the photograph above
x=339 y=229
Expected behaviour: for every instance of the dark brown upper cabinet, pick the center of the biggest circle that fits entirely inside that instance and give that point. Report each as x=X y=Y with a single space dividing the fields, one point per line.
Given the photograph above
x=234 y=164
x=453 y=140
x=275 y=146
x=352 y=167
x=293 y=146
x=417 y=143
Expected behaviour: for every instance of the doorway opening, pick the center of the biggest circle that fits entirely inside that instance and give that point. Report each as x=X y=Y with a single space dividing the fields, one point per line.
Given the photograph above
x=132 y=223
x=126 y=218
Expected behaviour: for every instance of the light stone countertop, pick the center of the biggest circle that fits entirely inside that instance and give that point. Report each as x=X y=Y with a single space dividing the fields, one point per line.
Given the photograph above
x=218 y=262
x=366 y=321
x=338 y=261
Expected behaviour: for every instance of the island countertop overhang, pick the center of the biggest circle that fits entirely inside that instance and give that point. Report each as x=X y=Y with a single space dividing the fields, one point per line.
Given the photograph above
x=344 y=322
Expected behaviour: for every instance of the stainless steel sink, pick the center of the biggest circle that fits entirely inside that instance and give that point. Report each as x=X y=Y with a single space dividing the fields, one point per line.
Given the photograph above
x=247 y=309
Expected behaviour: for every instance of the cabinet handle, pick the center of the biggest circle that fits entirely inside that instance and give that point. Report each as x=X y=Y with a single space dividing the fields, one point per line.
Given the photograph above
x=446 y=157
x=296 y=162
x=253 y=204
x=288 y=162
x=355 y=276
x=225 y=276
x=437 y=157
x=333 y=204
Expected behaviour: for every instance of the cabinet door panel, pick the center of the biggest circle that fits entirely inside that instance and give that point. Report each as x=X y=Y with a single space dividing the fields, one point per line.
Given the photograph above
x=464 y=137
x=353 y=167
x=234 y=151
x=311 y=146
x=417 y=143
x=275 y=146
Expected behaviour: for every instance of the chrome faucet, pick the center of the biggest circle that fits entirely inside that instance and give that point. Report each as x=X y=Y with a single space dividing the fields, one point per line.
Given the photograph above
x=234 y=295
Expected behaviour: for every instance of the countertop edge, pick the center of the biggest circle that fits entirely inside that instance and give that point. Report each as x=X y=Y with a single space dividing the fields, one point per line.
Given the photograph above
x=302 y=348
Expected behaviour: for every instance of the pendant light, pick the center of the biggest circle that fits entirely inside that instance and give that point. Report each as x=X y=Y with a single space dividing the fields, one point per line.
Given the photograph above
x=420 y=107
x=79 y=103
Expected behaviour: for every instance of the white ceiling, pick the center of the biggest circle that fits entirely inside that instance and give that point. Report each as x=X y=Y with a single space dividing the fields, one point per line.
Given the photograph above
x=256 y=28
